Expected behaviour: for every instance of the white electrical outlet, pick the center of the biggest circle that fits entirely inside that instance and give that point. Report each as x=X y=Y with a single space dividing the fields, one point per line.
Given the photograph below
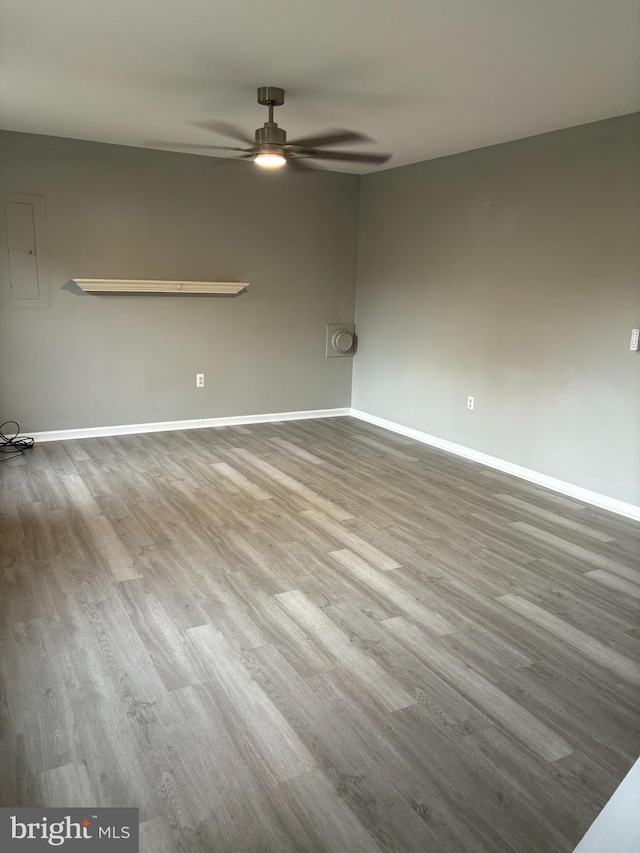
x=199 y=380
x=635 y=340
x=471 y=401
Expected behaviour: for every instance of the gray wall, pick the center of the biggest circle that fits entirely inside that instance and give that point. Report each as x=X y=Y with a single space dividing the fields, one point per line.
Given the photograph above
x=511 y=273
x=133 y=213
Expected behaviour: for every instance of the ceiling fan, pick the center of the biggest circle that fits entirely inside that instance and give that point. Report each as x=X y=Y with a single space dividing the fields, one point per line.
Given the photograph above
x=270 y=148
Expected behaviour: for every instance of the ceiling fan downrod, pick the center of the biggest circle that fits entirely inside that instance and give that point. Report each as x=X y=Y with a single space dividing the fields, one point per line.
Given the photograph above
x=270 y=133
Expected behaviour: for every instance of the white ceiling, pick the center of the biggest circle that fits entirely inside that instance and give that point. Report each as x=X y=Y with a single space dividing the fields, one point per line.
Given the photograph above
x=424 y=78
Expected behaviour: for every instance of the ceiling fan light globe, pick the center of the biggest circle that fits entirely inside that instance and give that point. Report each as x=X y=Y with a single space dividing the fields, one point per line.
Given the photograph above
x=269 y=161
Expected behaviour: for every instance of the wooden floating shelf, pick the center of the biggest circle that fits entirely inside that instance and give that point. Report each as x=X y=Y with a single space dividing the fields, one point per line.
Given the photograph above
x=121 y=285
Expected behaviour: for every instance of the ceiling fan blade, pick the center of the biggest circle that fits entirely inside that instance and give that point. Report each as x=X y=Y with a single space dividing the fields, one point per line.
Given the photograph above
x=354 y=156
x=300 y=164
x=226 y=130
x=330 y=137
x=158 y=143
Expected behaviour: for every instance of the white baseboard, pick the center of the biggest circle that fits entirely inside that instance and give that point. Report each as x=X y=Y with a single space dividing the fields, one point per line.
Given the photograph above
x=577 y=492
x=199 y=423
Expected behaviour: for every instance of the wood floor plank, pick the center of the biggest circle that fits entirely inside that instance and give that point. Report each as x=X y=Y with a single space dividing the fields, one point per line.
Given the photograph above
x=155 y=835
x=328 y=822
x=168 y=647
x=242 y=483
x=508 y=771
x=377 y=682
x=357 y=778
x=292 y=485
x=42 y=716
x=278 y=628
x=615 y=582
x=297 y=451
x=496 y=704
x=406 y=603
x=200 y=764
x=352 y=540
x=278 y=744
x=528 y=509
x=589 y=646
x=445 y=704
x=411 y=764
x=110 y=549
x=591 y=556
x=67 y=786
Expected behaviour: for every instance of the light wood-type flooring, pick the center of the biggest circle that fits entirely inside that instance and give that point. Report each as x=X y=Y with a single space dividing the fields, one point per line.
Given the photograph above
x=313 y=636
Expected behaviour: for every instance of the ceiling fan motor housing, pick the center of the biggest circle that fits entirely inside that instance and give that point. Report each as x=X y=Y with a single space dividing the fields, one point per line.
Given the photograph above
x=270 y=96
x=271 y=134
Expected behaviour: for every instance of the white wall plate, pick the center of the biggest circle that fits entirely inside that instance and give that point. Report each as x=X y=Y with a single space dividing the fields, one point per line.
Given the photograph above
x=341 y=340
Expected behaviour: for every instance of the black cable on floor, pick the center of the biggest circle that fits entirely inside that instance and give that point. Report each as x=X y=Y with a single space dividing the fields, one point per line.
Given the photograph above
x=13 y=445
